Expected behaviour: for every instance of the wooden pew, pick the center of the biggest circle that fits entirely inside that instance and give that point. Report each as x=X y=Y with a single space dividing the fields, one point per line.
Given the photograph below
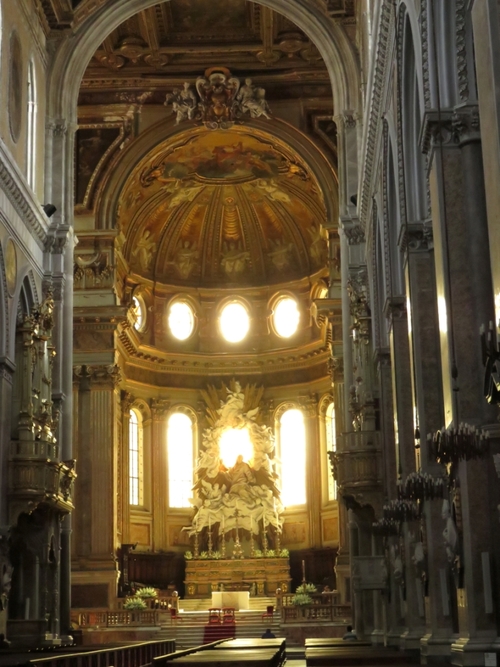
x=335 y=641
x=168 y=658
x=251 y=643
x=341 y=656
x=260 y=657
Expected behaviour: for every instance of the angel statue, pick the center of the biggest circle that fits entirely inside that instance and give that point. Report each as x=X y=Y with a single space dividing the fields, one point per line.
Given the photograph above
x=252 y=100
x=183 y=103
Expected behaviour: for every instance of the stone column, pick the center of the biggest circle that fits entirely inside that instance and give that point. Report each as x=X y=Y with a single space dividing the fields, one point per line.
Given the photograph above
x=96 y=513
x=6 y=380
x=123 y=467
x=159 y=472
x=309 y=405
x=424 y=335
x=465 y=300
x=405 y=454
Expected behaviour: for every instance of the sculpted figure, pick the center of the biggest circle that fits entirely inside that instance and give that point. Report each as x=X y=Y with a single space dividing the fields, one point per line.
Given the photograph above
x=450 y=533
x=252 y=100
x=183 y=103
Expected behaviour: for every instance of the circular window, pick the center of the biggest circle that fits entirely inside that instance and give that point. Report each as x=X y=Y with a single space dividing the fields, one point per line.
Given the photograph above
x=137 y=313
x=181 y=320
x=286 y=317
x=234 y=322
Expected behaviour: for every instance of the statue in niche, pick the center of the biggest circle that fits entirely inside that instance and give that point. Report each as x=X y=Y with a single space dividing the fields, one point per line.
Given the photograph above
x=144 y=249
x=234 y=259
x=184 y=103
x=252 y=100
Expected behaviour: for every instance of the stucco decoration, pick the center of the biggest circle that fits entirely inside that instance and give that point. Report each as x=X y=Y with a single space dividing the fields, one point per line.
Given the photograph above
x=226 y=206
x=245 y=495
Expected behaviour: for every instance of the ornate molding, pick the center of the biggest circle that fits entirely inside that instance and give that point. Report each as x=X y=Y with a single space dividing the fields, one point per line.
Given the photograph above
x=104 y=375
x=355 y=234
x=375 y=108
x=417 y=237
x=424 y=27
x=21 y=197
x=395 y=307
x=461 y=46
x=458 y=126
x=160 y=407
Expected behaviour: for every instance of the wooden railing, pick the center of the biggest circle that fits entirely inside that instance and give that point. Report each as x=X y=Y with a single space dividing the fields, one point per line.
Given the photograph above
x=315 y=613
x=331 y=598
x=136 y=655
x=116 y=619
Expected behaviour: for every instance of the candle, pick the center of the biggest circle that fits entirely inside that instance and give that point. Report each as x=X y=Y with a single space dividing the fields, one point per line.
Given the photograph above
x=303 y=570
x=223 y=524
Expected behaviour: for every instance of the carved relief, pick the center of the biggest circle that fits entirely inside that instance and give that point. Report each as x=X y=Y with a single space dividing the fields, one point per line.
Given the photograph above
x=92 y=270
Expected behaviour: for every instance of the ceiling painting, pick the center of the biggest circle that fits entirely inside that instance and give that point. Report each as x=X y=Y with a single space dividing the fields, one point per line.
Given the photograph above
x=222 y=208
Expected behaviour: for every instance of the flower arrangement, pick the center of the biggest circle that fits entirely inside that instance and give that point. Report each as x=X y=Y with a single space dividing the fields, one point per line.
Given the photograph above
x=284 y=553
x=134 y=604
x=147 y=592
x=188 y=555
x=300 y=599
x=306 y=588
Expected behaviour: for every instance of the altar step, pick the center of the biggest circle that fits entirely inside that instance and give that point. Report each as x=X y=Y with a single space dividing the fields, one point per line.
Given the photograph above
x=255 y=603
x=189 y=628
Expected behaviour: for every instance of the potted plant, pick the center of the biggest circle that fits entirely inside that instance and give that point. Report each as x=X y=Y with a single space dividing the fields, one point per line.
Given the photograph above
x=147 y=593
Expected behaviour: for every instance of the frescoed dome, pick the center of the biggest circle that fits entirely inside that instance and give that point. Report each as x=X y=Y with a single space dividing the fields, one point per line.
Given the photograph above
x=219 y=208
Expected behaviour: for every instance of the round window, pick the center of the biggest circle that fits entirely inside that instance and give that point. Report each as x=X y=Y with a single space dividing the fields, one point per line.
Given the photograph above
x=234 y=322
x=286 y=317
x=181 y=320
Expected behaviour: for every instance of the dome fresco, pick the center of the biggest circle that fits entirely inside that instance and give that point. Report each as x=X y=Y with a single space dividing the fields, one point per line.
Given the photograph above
x=217 y=208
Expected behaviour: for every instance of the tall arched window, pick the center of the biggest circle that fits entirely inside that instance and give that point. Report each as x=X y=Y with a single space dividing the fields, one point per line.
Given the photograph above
x=180 y=451
x=31 y=127
x=331 y=446
x=135 y=443
x=292 y=441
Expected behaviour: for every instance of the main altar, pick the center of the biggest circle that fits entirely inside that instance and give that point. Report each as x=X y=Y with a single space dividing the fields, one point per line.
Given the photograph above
x=238 y=515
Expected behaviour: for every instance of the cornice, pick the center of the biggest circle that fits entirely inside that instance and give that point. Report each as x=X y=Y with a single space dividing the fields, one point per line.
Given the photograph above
x=376 y=97
x=213 y=363
x=21 y=196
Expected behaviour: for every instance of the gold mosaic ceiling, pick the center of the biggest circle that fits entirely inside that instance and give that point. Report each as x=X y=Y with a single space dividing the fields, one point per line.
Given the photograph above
x=222 y=208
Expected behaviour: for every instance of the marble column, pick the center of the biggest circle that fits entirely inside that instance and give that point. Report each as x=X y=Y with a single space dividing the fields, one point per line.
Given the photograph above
x=465 y=300
x=424 y=337
x=159 y=466
x=6 y=381
x=96 y=506
x=123 y=467
x=309 y=407
x=405 y=454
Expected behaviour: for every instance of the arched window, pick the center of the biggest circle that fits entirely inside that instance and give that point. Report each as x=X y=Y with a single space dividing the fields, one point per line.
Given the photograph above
x=31 y=127
x=135 y=444
x=180 y=451
x=331 y=446
x=292 y=441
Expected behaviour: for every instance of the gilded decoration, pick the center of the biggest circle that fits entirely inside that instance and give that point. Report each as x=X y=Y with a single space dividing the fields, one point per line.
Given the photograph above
x=236 y=493
x=224 y=206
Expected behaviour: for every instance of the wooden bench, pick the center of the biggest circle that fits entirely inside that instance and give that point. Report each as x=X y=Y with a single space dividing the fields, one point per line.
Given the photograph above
x=168 y=658
x=335 y=641
x=231 y=658
x=353 y=656
x=249 y=643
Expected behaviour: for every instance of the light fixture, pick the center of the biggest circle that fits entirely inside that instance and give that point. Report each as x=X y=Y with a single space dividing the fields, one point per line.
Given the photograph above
x=234 y=322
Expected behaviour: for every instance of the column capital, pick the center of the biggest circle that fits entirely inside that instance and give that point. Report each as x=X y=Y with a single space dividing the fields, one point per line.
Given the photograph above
x=98 y=375
x=417 y=237
x=451 y=127
x=127 y=400
x=159 y=408
x=395 y=307
x=309 y=405
x=354 y=232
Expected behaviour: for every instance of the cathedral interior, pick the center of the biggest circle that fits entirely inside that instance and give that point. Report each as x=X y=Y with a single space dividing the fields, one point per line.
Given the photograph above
x=249 y=308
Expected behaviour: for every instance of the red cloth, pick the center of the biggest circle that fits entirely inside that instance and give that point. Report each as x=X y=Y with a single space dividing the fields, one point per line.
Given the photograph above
x=214 y=632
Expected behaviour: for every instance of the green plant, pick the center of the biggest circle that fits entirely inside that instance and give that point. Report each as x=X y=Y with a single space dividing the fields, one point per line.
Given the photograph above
x=306 y=588
x=216 y=555
x=188 y=555
x=147 y=592
x=284 y=553
x=204 y=555
x=300 y=599
x=271 y=553
x=134 y=604
x=258 y=553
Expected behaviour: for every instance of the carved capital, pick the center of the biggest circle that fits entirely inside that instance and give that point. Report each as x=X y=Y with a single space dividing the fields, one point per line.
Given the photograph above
x=417 y=237
x=104 y=375
x=355 y=234
x=309 y=405
x=159 y=407
x=127 y=400
x=395 y=307
x=450 y=127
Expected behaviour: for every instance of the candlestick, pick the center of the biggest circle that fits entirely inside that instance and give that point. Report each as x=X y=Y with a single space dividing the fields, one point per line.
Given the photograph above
x=303 y=572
